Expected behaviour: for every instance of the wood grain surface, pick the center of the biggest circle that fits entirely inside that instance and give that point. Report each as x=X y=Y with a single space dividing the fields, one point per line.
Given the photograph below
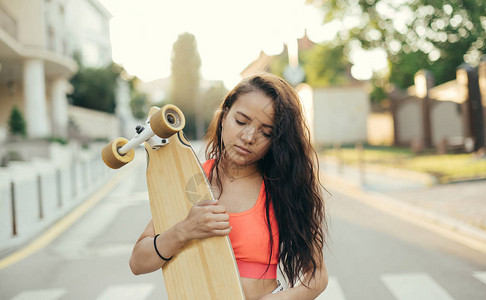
x=203 y=269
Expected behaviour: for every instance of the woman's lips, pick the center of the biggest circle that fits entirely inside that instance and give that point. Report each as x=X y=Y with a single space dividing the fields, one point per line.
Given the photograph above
x=242 y=150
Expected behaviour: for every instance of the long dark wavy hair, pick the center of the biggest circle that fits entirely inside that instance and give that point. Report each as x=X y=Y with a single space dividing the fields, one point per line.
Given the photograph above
x=290 y=171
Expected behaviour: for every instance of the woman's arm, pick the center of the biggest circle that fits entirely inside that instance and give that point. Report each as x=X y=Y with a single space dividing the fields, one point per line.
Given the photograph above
x=205 y=219
x=315 y=286
x=144 y=258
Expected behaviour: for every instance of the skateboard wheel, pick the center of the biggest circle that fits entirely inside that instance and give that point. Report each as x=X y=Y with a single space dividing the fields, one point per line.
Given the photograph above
x=112 y=158
x=167 y=121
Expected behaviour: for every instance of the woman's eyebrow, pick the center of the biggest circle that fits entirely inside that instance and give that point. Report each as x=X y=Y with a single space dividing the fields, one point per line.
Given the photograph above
x=247 y=117
x=239 y=112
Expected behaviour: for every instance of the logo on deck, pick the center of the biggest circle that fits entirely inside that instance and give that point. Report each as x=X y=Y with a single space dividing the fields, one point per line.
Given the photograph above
x=196 y=189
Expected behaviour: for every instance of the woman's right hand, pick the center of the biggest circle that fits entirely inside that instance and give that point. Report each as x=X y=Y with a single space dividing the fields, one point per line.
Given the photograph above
x=205 y=219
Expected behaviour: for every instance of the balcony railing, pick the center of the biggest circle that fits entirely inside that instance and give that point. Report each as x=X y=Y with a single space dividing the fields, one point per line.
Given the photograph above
x=8 y=23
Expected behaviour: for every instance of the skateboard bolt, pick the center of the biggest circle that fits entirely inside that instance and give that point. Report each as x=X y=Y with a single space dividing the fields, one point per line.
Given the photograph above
x=139 y=128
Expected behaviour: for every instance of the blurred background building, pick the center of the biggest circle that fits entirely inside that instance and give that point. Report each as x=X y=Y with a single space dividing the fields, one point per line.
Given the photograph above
x=39 y=40
x=448 y=117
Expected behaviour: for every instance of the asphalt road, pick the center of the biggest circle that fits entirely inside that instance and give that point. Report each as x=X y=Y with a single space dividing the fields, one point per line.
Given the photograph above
x=371 y=255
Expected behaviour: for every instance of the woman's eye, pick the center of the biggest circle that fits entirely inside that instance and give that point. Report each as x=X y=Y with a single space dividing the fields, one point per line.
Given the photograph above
x=239 y=123
x=268 y=135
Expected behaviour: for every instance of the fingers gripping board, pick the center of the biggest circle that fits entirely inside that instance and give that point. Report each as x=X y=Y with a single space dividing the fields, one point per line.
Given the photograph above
x=203 y=269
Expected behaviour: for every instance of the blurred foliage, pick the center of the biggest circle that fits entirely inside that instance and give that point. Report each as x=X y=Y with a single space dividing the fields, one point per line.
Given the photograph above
x=56 y=139
x=212 y=100
x=378 y=93
x=326 y=64
x=185 y=79
x=16 y=123
x=95 y=88
x=416 y=34
x=279 y=62
x=139 y=102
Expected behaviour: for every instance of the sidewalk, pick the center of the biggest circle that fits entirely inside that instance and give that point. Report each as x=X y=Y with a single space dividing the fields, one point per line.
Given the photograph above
x=457 y=209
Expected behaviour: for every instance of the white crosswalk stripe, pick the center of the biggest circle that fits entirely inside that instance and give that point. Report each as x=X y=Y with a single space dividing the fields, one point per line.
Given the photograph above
x=481 y=276
x=414 y=286
x=126 y=292
x=44 y=294
x=333 y=291
x=403 y=286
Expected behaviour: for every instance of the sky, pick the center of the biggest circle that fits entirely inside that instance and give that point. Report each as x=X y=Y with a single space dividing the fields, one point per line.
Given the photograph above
x=229 y=34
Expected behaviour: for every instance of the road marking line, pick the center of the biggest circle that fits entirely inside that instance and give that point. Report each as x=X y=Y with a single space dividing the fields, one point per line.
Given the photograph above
x=333 y=291
x=414 y=286
x=127 y=292
x=46 y=294
x=481 y=276
x=55 y=230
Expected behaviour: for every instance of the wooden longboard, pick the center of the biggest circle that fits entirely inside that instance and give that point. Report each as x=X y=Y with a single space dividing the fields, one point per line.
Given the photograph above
x=203 y=269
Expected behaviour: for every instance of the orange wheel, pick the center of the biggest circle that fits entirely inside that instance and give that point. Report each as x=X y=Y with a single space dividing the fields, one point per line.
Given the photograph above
x=112 y=158
x=167 y=121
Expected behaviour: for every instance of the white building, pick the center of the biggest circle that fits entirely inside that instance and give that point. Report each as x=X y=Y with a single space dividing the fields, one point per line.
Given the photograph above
x=340 y=114
x=88 y=32
x=37 y=42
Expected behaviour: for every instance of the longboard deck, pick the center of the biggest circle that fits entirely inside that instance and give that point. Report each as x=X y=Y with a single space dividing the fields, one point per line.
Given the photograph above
x=203 y=269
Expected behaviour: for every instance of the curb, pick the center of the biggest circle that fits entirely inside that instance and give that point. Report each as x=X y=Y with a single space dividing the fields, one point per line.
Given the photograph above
x=446 y=226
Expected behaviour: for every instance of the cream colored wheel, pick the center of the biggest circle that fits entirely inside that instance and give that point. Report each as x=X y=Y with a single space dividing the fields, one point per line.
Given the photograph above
x=112 y=158
x=167 y=121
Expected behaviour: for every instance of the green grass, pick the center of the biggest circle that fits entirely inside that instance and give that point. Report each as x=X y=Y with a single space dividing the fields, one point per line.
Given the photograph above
x=446 y=168
x=449 y=167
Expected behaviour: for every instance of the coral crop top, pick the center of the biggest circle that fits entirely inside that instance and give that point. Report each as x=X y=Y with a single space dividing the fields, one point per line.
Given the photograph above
x=250 y=238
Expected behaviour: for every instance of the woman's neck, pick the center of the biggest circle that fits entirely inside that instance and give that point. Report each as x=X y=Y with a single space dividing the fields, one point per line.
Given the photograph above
x=235 y=172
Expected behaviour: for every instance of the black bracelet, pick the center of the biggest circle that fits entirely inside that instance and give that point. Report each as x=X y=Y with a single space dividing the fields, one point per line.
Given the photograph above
x=155 y=246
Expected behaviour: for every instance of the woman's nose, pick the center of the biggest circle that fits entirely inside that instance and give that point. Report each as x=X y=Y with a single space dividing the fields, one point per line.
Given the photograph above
x=248 y=134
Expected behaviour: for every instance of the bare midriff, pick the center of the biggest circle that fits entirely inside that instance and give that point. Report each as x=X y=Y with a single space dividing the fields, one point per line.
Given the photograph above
x=257 y=288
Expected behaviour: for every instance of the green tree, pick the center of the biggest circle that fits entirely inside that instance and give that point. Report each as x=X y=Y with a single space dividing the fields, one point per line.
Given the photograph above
x=279 y=62
x=94 y=88
x=16 y=123
x=185 y=79
x=416 y=34
x=326 y=64
x=139 y=103
x=212 y=99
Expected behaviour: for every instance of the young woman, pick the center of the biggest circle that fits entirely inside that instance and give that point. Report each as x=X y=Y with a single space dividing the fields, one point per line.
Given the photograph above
x=265 y=176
